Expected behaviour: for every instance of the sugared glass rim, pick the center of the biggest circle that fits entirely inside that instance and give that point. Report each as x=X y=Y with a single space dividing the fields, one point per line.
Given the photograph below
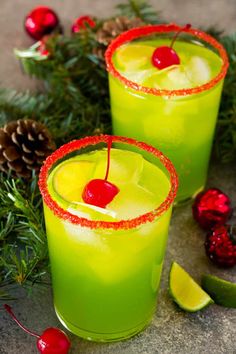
x=116 y=225
x=143 y=31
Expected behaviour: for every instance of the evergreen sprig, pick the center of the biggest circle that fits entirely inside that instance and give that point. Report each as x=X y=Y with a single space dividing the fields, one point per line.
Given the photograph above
x=23 y=246
x=225 y=139
x=74 y=103
x=141 y=9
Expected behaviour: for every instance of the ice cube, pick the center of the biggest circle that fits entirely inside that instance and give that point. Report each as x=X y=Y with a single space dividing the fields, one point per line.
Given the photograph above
x=171 y=78
x=132 y=201
x=198 y=70
x=139 y=76
x=124 y=166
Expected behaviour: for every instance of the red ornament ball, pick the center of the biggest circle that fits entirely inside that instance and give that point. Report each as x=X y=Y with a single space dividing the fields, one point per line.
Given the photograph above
x=211 y=207
x=41 y=21
x=220 y=246
x=165 y=56
x=52 y=341
x=82 y=22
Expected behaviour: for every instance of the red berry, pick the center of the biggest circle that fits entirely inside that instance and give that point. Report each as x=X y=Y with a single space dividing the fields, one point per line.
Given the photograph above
x=164 y=57
x=99 y=192
x=211 y=207
x=53 y=341
x=81 y=22
x=220 y=246
x=43 y=46
x=41 y=21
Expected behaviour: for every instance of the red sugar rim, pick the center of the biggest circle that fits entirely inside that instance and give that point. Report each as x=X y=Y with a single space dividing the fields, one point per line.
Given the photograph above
x=151 y=29
x=122 y=224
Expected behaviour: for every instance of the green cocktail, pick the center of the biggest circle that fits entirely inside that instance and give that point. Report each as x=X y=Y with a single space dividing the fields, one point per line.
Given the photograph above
x=106 y=262
x=175 y=108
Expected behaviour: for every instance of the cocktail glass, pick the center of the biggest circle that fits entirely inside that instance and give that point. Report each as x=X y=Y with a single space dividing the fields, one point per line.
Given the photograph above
x=106 y=274
x=179 y=122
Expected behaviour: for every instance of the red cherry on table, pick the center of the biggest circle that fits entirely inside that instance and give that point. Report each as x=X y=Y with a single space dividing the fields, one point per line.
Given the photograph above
x=211 y=207
x=51 y=341
x=40 y=21
x=165 y=56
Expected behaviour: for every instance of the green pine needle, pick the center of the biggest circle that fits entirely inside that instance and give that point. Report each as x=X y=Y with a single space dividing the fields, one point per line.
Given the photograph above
x=141 y=9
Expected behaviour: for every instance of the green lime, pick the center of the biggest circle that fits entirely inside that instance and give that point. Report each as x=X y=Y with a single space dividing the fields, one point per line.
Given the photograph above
x=69 y=179
x=223 y=292
x=134 y=56
x=185 y=291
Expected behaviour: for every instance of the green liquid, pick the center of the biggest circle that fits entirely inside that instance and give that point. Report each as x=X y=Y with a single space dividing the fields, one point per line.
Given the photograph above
x=181 y=127
x=105 y=282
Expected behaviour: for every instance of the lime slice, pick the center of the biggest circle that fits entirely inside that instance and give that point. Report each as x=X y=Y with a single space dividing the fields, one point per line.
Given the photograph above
x=92 y=212
x=223 y=292
x=185 y=291
x=70 y=178
x=171 y=78
x=134 y=56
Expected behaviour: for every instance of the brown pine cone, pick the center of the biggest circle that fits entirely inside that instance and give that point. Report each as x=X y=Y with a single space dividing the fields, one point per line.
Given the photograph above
x=112 y=28
x=24 y=145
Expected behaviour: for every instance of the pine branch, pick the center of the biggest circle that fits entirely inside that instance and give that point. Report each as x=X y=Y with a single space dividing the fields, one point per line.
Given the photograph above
x=141 y=9
x=23 y=244
x=225 y=141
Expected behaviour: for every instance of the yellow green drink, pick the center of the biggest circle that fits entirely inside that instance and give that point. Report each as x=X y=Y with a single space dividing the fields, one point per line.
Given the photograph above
x=106 y=262
x=175 y=108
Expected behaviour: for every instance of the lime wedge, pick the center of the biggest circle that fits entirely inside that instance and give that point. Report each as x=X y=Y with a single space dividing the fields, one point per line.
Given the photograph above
x=185 y=291
x=223 y=292
x=70 y=178
x=92 y=212
x=134 y=56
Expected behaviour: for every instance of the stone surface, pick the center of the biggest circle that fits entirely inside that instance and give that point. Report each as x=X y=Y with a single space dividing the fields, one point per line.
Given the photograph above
x=172 y=331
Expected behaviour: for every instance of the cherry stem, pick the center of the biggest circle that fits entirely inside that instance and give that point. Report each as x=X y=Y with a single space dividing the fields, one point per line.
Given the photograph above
x=9 y=310
x=109 y=144
x=187 y=26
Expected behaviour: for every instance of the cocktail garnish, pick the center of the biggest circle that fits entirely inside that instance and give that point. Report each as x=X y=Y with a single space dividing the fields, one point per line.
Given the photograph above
x=52 y=340
x=101 y=192
x=165 y=56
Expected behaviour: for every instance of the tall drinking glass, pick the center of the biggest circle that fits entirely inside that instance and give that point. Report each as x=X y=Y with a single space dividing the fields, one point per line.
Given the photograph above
x=174 y=109
x=106 y=262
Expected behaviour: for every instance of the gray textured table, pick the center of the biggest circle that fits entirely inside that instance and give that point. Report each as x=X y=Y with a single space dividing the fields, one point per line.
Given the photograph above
x=172 y=331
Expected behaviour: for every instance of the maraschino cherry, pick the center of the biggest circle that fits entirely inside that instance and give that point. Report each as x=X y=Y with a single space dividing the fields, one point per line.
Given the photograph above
x=165 y=56
x=100 y=192
x=51 y=341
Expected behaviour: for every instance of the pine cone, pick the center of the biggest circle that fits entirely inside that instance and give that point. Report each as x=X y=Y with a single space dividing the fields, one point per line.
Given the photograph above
x=112 y=28
x=24 y=145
